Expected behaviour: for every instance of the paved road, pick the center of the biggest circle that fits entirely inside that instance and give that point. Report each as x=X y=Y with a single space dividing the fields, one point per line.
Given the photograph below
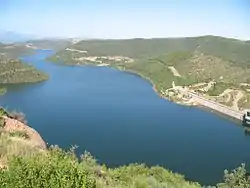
x=214 y=105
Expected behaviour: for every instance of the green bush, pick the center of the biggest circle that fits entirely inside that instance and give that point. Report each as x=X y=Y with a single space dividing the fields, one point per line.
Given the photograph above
x=2 y=122
x=238 y=178
x=54 y=169
x=21 y=134
x=3 y=91
x=2 y=113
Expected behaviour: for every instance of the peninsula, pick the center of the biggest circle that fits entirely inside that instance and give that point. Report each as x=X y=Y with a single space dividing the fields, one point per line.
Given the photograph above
x=13 y=70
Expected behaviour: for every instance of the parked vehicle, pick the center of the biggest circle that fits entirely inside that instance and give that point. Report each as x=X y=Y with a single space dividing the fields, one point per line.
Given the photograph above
x=246 y=117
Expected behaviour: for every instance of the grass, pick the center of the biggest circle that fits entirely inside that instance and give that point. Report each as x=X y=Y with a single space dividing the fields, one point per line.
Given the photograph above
x=10 y=147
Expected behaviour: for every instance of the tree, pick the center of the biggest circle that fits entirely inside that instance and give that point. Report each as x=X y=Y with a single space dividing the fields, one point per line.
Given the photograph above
x=238 y=178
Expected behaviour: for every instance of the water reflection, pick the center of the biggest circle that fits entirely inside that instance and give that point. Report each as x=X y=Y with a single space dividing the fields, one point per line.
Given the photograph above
x=246 y=127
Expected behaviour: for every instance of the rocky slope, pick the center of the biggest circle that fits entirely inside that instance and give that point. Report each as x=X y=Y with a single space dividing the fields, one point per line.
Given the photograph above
x=17 y=138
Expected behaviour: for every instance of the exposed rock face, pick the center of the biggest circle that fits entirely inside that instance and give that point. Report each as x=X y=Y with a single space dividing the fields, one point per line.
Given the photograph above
x=12 y=125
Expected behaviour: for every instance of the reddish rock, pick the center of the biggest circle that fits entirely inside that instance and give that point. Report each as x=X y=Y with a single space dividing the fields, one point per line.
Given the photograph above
x=12 y=125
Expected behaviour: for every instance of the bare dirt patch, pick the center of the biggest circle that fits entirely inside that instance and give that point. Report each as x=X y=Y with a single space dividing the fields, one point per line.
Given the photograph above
x=174 y=71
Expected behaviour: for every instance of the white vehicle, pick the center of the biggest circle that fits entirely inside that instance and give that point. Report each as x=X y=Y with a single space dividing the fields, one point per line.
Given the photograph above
x=246 y=117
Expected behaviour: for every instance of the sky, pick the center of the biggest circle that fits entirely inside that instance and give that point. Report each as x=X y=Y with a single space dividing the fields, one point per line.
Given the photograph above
x=126 y=18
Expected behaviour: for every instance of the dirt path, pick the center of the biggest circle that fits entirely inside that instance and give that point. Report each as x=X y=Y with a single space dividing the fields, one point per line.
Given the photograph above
x=174 y=71
x=245 y=84
x=236 y=100
x=199 y=84
x=226 y=93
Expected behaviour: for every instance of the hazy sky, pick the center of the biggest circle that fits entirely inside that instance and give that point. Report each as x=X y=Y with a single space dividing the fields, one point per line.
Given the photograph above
x=127 y=18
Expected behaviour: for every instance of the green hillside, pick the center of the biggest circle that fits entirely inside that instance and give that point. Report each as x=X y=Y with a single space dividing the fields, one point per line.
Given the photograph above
x=230 y=49
x=14 y=71
x=55 y=44
x=215 y=57
x=14 y=50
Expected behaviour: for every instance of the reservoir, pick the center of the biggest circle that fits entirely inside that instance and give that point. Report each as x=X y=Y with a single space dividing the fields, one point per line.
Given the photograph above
x=120 y=119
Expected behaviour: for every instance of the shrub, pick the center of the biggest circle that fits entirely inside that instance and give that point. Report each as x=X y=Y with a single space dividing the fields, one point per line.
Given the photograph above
x=21 y=134
x=2 y=113
x=2 y=122
x=238 y=178
x=18 y=116
x=3 y=91
x=56 y=168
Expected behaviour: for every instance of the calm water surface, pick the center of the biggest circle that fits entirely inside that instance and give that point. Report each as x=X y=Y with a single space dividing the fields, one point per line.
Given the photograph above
x=120 y=119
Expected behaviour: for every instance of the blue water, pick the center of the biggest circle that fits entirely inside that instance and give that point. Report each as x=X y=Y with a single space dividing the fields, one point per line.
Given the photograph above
x=120 y=119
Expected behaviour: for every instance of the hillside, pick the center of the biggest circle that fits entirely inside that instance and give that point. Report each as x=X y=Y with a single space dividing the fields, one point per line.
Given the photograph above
x=54 y=44
x=16 y=138
x=14 y=71
x=25 y=161
x=186 y=61
x=15 y=50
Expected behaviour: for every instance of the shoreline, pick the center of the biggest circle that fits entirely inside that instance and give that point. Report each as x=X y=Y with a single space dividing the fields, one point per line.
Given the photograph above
x=189 y=103
x=6 y=85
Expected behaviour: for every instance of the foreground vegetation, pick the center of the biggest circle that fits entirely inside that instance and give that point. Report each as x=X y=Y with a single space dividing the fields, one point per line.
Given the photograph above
x=186 y=61
x=57 y=168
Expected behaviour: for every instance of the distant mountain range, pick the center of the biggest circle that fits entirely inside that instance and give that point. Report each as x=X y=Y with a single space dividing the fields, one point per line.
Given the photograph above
x=10 y=37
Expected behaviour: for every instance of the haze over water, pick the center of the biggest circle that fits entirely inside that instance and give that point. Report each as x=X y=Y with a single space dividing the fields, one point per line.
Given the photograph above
x=120 y=119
